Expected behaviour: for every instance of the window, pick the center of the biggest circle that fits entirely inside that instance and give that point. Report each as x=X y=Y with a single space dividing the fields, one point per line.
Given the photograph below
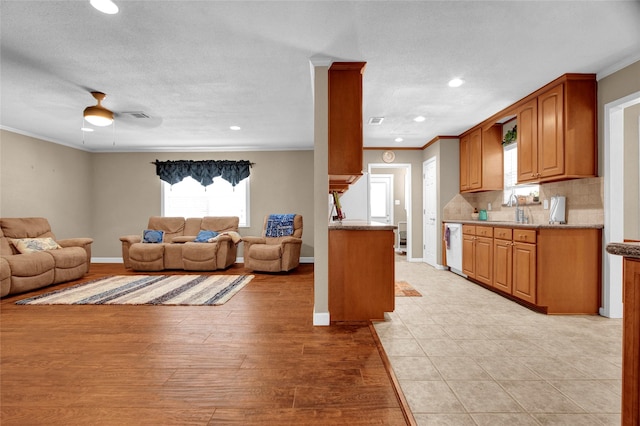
x=511 y=176
x=190 y=199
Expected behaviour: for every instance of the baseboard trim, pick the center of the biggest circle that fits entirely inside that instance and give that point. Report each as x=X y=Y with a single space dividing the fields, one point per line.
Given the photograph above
x=321 y=319
x=106 y=260
x=238 y=260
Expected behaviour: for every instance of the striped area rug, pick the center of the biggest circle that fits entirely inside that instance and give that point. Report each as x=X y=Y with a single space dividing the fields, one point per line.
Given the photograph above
x=147 y=290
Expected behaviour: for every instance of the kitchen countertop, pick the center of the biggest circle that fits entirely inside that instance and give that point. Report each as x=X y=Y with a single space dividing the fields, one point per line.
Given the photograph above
x=624 y=249
x=360 y=225
x=523 y=225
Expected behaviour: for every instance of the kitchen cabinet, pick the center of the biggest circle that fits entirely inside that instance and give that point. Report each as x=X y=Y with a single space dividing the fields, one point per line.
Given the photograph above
x=345 y=124
x=554 y=269
x=524 y=265
x=361 y=272
x=514 y=254
x=557 y=135
x=481 y=160
x=477 y=253
x=630 y=249
x=503 y=259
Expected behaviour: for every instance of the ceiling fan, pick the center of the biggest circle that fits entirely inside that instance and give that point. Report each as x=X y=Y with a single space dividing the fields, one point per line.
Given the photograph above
x=100 y=116
x=97 y=114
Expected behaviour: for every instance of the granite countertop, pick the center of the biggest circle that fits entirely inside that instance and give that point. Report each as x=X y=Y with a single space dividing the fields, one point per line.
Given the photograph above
x=524 y=225
x=624 y=249
x=360 y=225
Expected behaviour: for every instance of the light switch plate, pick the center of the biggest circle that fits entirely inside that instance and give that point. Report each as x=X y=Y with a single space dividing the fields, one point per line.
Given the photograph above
x=545 y=204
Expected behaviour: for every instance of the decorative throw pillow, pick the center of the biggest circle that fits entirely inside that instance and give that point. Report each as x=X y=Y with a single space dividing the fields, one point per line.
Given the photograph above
x=205 y=236
x=279 y=225
x=30 y=245
x=152 y=236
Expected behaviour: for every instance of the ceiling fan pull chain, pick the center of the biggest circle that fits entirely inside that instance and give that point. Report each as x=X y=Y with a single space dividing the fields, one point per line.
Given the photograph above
x=114 y=132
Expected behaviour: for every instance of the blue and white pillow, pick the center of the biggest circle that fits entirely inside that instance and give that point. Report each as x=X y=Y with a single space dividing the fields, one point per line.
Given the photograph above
x=204 y=236
x=152 y=236
x=279 y=225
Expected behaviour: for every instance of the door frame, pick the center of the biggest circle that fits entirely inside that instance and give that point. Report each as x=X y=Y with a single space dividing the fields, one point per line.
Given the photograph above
x=614 y=202
x=425 y=163
x=407 y=196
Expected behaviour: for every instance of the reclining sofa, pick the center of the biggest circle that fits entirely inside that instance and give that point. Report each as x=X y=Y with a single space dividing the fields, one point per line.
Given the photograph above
x=44 y=260
x=176 y=248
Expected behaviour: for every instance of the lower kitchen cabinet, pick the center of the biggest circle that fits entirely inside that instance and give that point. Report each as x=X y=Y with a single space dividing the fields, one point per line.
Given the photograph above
x=477 y=253
x=552 y=269
x=361 y=273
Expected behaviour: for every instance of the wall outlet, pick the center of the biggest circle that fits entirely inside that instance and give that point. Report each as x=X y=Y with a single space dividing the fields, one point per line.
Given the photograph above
x=397 y=202
x=489 y=206
x=545 y=204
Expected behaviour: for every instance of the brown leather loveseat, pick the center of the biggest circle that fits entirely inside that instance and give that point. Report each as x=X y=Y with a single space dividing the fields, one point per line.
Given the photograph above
x=31 y=257
x=177 y=248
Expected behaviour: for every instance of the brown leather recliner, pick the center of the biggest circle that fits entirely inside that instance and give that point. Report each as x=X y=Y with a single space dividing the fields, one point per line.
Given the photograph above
x=274 y=254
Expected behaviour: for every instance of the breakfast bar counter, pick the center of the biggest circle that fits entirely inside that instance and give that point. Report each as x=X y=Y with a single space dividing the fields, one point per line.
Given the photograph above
x=630 y=330
x=361 y=270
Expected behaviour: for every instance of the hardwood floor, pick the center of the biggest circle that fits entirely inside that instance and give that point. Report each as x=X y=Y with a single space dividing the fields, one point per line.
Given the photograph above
x=255 y=360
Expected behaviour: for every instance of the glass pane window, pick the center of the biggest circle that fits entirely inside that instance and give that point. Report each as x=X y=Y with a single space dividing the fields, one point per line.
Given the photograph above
x=190 y=199
x=511 y=187
x=378 y=199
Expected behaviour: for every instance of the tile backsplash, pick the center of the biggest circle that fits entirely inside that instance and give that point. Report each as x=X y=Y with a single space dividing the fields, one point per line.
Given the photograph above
x=585 y=203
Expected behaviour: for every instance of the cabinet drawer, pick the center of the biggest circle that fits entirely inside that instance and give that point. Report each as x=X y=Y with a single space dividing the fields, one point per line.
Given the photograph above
x=469 y=229
x=524 y=235
x=503 y=233
x=484 y=231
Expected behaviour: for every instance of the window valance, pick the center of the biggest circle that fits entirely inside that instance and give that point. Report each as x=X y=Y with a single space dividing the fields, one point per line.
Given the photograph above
x=203 y=171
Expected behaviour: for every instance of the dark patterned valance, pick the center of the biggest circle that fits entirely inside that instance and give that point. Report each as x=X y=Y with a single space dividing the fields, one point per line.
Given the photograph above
x=203 y=171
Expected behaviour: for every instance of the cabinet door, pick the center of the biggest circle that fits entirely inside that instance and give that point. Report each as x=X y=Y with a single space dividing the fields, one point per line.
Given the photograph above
x=502 y=265
x=551 y=132
x=484 y=260
x=469 y=255
x=464 y=163
x=475 y=159
x=345 y=121
x=524 y=271
x=527 y=119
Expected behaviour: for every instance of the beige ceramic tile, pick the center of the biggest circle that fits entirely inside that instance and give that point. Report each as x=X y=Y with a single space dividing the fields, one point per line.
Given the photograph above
x=484 y=397
x=444 y=420
x=504 y=419
x=430 y=397
x=540 y=397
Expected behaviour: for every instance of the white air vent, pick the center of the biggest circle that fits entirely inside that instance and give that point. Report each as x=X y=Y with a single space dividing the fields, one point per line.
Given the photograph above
x=376 y=121
x=137 y=114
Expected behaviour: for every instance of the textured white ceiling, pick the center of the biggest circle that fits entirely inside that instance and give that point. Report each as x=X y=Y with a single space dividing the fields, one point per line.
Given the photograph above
x=198 y=67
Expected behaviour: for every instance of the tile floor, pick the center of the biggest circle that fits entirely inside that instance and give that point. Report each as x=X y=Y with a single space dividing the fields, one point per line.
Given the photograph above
x=465 y=356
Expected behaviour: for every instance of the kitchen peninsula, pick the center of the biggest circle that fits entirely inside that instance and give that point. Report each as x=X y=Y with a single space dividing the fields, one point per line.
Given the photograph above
x=361 y=270
x=630 y=330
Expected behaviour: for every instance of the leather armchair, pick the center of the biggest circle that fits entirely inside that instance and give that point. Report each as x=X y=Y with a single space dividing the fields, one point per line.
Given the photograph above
x=274 y=254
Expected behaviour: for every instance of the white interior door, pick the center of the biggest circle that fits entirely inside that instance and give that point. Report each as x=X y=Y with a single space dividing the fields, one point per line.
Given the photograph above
x=430 y=210
x=381 y=198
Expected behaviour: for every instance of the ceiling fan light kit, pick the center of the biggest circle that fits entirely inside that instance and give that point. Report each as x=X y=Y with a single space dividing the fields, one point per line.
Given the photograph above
x=97 y=114
x=105 y=6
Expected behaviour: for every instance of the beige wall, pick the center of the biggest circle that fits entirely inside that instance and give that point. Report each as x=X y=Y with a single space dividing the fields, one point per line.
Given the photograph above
x=611 y=88
x=106 y=195
x=632 y=172
x=39 y=178
x=447 y=153
x=127 y=191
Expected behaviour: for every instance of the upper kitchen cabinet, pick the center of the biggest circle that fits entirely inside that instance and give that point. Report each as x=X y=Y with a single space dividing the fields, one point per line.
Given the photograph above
x=345 y=124
x=481 y=159
x=557 y=134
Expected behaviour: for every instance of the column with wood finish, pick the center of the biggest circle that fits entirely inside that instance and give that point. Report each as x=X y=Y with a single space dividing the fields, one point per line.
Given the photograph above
x=631 y=343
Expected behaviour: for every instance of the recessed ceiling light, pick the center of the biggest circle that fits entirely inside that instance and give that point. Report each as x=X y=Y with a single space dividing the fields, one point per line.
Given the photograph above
x=86 y=129
x=105 y=6
x=398 y=139
x=456 y=82
x=419 y=119
x=234 y=127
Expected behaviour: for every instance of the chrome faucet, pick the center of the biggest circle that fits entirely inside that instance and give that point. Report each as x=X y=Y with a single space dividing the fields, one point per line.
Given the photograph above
x=519 y=211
